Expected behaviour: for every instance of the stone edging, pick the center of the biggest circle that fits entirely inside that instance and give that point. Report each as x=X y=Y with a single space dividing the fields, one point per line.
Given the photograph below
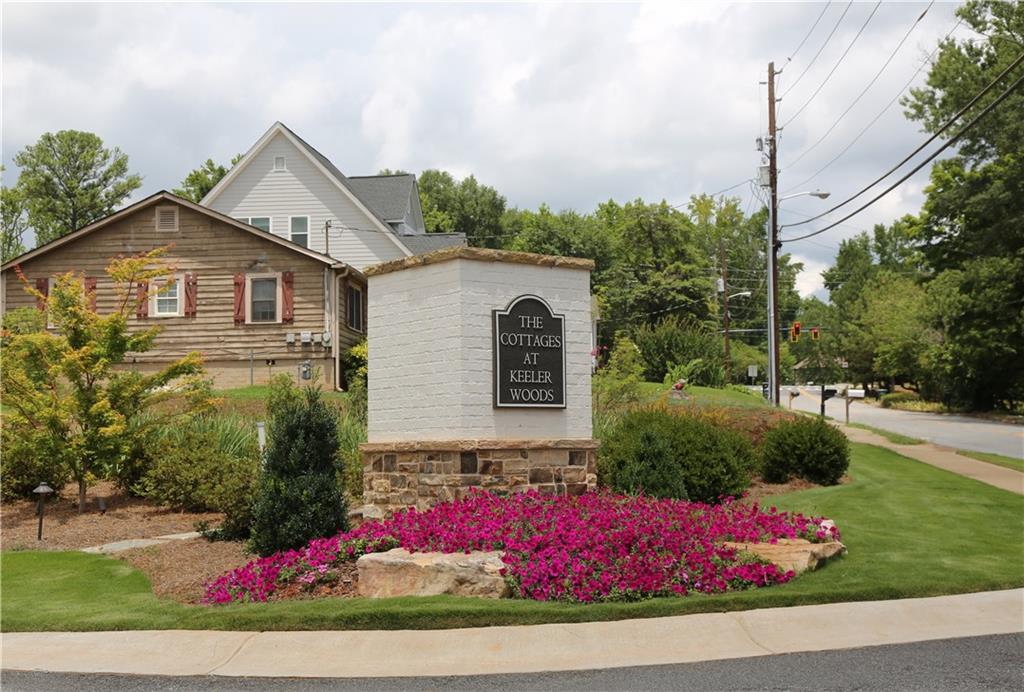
x=474 y=445
x=481 y=255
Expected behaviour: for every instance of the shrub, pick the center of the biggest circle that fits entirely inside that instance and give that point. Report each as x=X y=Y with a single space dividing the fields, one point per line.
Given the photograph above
x=24 y=464
x=616 y=386
x=676 y=341
x=890 y=400
x=353 y=363
x=209 y=464
x=298 y=498
x=808 y=448
x=711 y=461
x=351 y=433
x=652 y=471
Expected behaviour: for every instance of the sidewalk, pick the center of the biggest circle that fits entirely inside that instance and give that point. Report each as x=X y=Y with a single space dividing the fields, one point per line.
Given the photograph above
x=527 y=649
x=944 y=458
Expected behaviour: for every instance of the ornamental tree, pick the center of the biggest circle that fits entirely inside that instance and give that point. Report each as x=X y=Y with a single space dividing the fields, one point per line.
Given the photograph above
x=69 y=398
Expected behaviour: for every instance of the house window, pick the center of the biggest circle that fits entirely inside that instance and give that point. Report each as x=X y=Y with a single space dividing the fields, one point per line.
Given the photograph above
x=260 y=222
x=167 y=300
x=278 y=163
x=355 y=308
x=299 y=227
x=263 y=301
x=167 y=218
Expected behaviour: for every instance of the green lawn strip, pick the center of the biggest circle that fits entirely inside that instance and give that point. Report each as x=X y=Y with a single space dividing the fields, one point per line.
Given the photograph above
x=895 y=438
x=260 y=392
x=912 y=530
x=998 y=459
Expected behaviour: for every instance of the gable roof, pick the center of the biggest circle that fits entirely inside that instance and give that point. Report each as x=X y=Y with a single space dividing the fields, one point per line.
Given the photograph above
x=422 y=243
x=165 y=196
x=320 y=161
x=387 y=195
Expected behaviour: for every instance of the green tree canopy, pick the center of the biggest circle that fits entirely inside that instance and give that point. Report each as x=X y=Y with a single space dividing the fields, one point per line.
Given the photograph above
x=201 y=180
x=69 y=179
x=461 y=206
x=13 y=222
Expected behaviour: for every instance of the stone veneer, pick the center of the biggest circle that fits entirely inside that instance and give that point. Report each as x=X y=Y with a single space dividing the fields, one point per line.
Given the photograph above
x=418 y=474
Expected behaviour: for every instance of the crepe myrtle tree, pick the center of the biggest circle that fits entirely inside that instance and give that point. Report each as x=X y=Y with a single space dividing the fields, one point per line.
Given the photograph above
x=66 y=396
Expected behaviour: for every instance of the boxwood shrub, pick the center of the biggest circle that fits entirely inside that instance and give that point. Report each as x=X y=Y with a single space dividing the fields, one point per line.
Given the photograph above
x=807 y=448
x=665 y=453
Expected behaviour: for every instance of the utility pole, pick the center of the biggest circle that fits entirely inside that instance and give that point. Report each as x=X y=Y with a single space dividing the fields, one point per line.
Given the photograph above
x=725 y=306
x=773 y=246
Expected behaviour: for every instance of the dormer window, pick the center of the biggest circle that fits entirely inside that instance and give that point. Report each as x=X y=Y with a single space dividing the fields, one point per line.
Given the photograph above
x=278 y=163
x=167 y=218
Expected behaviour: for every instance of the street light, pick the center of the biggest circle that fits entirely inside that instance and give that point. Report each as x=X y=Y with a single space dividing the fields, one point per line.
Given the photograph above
x=745 y=294
x=773 y=291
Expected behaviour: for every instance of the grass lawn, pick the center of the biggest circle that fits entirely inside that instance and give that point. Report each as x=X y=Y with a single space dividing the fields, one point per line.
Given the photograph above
x=998 y=459
x=895 y=438
x=708 y=396
x=252 y=401
x=912 y=530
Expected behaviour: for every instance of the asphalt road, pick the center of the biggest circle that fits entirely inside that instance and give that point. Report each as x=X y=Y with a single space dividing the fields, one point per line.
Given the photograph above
x=975 y=663
x=959 y=432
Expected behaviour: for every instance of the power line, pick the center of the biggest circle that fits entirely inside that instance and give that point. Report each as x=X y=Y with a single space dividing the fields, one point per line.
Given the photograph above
x=945 y=126
x=878 y=74
x=827 y=39
x=834 y=67
x=882 y=112
x=989 y=108
x=809 y=32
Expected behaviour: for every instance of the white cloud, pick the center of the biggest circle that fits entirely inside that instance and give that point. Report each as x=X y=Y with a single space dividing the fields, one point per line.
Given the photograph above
x=569 y=104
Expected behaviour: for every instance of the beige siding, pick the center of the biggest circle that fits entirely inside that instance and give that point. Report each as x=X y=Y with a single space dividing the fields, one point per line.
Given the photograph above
x=303 y=190
x=215 y=251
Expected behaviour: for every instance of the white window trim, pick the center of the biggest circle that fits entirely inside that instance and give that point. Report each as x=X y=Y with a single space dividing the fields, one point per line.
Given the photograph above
x=348 y=323
x=279 y=298
x=284 y=164
x=156 y=218
x=154 y=292
x=309 y=235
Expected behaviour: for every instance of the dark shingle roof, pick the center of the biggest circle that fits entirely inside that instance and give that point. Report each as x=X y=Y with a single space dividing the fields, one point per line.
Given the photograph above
x=421 y=244
x=387 y=195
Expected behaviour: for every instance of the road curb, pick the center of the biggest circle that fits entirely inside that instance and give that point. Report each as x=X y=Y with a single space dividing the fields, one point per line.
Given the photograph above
x=518 y=649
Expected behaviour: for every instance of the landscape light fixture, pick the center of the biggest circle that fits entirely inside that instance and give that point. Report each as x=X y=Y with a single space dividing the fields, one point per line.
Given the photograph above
x=42 y=490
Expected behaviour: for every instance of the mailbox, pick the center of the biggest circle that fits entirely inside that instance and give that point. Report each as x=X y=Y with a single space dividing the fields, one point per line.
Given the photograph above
x=854 y=393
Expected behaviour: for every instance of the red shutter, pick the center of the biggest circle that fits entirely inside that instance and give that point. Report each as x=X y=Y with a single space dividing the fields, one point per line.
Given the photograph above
x=191 y=294
x=239 y=298
x=142 y=300
x=90 y=292
x=43 y=286
x=287 y=297
x=365 y=296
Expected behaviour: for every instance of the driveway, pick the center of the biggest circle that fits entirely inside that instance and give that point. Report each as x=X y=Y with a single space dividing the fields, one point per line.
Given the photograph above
x=959 y=432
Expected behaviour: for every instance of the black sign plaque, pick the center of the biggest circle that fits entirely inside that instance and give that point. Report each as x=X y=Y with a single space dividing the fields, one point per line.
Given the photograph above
x=529 y=355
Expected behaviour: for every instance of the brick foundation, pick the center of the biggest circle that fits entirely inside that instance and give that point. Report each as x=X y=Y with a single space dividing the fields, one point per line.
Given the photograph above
x=419 y=474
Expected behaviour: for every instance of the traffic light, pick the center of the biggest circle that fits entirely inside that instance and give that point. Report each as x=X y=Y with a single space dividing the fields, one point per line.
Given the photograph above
x=796 y=331
x=815 y=334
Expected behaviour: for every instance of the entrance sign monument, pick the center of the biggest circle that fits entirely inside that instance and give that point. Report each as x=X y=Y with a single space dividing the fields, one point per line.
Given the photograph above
x=478 y=376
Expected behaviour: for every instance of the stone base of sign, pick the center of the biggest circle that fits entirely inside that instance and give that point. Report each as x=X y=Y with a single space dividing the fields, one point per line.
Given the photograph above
x=420 y=474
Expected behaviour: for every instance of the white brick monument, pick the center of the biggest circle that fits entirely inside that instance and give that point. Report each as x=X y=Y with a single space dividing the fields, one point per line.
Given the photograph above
x=479 y=375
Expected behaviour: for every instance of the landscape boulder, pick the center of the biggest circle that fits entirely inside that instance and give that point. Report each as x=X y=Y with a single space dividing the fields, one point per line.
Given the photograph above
x=398 y=572
x=796 y=554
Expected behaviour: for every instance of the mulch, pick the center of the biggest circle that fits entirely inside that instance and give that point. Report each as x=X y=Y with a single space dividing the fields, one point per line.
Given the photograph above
x=179 y=570
x=759 y=489
x=65 y=529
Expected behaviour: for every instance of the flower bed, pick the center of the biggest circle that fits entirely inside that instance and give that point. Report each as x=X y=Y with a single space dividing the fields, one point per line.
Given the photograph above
x=596 y=547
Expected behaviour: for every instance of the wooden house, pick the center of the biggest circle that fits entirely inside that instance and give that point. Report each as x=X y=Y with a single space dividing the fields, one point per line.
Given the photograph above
x=252 y=302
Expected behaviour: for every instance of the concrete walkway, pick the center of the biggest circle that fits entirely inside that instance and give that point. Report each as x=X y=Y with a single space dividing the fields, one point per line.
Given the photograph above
x=129 y=544
x=945 y=458
x=539 y=648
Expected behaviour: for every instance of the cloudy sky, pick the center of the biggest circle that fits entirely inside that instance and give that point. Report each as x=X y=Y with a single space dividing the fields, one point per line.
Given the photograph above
x=568 y=104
